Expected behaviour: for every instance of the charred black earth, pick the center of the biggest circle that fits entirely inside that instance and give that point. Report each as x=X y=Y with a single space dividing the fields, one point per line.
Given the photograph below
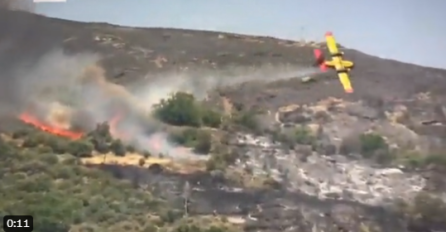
x=383 y=88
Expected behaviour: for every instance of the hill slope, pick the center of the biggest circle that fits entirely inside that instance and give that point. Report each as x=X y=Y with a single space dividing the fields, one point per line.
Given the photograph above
x=313 y=169
x=131 y=53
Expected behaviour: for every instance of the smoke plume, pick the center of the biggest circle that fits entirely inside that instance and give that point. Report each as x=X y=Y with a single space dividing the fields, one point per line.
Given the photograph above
x=66 y=90
x=200 y=82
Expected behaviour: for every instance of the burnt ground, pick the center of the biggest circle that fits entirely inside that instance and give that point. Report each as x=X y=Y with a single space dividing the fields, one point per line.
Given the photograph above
x=262 y=209
x=133 y=53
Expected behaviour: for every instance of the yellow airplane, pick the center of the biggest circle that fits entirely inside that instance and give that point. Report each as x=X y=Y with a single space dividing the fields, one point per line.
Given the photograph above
x=337 y=62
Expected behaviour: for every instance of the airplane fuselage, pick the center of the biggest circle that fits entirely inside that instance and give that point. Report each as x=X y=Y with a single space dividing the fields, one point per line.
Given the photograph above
x=339 y=64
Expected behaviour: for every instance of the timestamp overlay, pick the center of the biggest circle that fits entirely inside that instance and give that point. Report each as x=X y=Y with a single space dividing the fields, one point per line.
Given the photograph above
x=18 y=223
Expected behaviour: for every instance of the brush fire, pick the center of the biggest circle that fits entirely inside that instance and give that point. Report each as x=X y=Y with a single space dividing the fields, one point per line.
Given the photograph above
x=71 y=109
x=60 y=120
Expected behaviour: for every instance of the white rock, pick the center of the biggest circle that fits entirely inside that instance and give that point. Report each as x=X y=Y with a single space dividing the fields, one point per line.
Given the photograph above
x=390 y=171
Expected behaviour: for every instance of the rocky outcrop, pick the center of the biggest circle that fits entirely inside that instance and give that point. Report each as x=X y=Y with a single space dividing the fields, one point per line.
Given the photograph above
x=333 y=177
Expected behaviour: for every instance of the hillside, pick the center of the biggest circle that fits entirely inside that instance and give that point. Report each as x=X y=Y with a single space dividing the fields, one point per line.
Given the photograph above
x=124 y=125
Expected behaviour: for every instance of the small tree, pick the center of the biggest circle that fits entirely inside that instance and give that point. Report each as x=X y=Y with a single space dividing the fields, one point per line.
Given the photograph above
x=117 y=147
x=180 y=109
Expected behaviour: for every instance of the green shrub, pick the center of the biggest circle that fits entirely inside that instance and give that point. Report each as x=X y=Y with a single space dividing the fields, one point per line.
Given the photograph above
x=101 y=133
x=302 y=135
x=187 y=137
x=30 y=142
x=220 y=161
x=64 y=193
x=211 y=118
x=21 y=133
x=58 y=145
x=80 y=148
x=411 y=159
x=203 y=144
x=146 y=154
x=435 y=159
x=248 y=120
x=117 y=147
x=371 y=143
x=200 y=140
x=180 y=109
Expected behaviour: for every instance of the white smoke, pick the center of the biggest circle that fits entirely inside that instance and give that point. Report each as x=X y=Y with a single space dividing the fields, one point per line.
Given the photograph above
x=200 y=82
x=78 y=81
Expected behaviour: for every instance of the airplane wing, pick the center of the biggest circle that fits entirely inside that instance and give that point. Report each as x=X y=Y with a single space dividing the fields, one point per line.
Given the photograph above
x=345 y=81
x=331 y=43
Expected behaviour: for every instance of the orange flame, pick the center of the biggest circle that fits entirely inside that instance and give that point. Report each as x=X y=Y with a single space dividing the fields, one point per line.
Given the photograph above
x=113 y=123
x=155 y=142
x=29 y=119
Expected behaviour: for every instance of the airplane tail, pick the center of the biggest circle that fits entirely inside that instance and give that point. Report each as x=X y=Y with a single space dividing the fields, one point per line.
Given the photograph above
x=320 y=61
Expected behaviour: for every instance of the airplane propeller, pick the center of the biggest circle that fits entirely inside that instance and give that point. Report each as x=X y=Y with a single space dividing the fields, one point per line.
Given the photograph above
x=320 y=60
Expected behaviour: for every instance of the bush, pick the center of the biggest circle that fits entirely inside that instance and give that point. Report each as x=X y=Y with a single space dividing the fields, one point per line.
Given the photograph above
x=65 y=194
x=302 y=135
x=100 y=145
x=180 y=110
x=200 y=140
x=21 y=133
x=187 y=137
x=211 y=118
x=203 y=144
x=58 y=145
x=80 y=148
x=101 y=132
x=34 y=139
x=412 y=159
x=214 y=163
x=117 y=147
x=220 y=161
x=248 y=120
x=371 y=143
x=146 y=154
x=30 y=142
x=438 y=160
x=5 y=149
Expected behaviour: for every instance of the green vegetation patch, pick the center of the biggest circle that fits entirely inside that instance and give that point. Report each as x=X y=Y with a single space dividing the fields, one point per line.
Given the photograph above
x=182 y=109
x=46 y=179
x=60 y=192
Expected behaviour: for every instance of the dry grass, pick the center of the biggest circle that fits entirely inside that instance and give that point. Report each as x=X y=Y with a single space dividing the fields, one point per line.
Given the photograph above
x=128 y=159
x=207 y=221
x=135 y=159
